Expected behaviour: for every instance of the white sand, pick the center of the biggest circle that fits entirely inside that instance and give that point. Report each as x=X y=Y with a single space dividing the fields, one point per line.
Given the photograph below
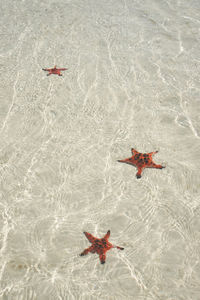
x=132 y=81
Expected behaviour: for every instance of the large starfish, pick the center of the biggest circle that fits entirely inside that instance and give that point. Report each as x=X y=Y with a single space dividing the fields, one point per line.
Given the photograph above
x=54 y=71
x=99 y=246
x=141 y=161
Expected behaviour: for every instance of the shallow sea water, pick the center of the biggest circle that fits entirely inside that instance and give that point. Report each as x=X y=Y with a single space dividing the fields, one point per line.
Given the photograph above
x=132 y=81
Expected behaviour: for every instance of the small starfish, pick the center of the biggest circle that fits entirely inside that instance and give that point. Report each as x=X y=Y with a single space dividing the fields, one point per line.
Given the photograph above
x=99 y=246
x=141 y=161
x=54 y=71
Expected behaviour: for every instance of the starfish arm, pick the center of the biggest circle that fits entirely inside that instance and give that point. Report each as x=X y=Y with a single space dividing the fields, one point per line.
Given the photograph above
x=126 y=160
x=102 y=258
x=139 y=173
x=120 y=248
x=90 y=237
x=107 y=235
x=152 y=153
x=47 y=70
x=121 y=160
x=133 y=151
x=63 y=69
x=153 y=165
x=86 y=251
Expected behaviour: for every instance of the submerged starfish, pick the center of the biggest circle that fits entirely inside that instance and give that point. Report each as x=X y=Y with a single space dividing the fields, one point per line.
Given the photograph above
x=141 y=161
x=54 y=71
x=99 y=246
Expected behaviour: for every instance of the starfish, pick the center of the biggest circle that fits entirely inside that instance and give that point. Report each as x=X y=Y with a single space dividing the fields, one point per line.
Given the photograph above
x=99 y=246
x=54 y=71
x=141 y=161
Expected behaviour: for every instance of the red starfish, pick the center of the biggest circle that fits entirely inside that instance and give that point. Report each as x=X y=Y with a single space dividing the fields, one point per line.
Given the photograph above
x=141 y=161
x=54 y=71
x=99 y=246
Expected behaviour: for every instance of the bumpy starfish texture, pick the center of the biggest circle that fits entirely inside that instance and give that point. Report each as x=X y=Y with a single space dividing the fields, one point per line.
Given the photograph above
x=54 y=71
x=99 y=246
x=141 y=161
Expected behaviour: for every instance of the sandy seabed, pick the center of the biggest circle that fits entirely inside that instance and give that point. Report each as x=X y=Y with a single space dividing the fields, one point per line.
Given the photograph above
x=132 y=81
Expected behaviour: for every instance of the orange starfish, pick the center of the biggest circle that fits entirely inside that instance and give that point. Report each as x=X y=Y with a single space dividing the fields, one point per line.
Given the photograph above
x=141 y=161
x=99 y=246
x=54 y=71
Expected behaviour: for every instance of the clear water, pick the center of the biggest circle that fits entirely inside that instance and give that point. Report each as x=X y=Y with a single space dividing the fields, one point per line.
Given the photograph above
x=132 y=81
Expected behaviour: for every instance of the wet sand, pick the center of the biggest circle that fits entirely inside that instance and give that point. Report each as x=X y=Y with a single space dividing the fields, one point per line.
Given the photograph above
x=132 y=82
